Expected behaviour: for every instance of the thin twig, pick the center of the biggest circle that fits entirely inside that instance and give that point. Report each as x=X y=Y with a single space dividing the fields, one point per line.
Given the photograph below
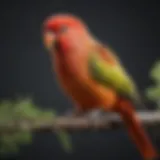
x=110 y=121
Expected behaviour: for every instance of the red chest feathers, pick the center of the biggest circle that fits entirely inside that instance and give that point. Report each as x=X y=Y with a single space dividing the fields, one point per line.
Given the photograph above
x=74 y=88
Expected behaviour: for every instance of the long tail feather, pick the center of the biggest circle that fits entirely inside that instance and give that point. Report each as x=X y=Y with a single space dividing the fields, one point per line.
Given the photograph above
x=136 y=131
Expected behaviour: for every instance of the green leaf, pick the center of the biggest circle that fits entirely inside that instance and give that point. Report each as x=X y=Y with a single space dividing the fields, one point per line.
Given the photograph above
x=153 y=93
x=63 y=137
x=26 y=109
x=11 y=142
x=155 y=72
x=65 y=140
x=5 y=112
x=23 y=137
x=47 y=115
x=8 y=144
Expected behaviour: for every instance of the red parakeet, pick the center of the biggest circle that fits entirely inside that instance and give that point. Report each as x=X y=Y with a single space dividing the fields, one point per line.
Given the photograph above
x=92 y=75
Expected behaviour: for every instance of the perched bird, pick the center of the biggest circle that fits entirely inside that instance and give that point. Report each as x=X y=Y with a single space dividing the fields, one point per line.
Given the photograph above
x=92 y=75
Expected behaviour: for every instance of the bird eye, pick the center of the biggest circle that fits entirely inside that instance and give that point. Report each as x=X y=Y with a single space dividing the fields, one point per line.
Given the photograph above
x=63 y=28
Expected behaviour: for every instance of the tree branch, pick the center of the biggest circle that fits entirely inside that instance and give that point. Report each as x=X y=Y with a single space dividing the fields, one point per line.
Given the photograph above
x=109 y=121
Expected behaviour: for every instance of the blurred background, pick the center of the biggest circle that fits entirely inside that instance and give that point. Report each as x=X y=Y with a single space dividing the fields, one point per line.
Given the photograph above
x=131 y=29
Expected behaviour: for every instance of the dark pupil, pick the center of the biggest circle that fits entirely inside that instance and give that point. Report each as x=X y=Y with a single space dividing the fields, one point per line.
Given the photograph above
x=63 y=28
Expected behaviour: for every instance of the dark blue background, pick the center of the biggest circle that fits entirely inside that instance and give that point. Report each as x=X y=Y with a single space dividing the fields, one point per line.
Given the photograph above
x=132 y=29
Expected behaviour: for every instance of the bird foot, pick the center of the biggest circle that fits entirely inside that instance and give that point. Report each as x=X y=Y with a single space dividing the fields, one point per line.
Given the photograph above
x=94 y=117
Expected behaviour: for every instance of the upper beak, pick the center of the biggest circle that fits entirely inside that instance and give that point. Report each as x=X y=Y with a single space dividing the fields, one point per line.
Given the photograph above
x=48 y=40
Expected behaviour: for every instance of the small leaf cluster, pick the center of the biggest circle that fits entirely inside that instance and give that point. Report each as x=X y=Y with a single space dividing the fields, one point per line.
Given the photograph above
x=153 y=92
x=15 y=111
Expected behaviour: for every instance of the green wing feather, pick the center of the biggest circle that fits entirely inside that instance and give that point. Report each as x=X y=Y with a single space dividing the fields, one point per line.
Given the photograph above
x=114 y=76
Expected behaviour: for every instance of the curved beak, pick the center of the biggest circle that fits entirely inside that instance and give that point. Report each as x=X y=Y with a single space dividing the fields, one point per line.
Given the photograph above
x=48 y=40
